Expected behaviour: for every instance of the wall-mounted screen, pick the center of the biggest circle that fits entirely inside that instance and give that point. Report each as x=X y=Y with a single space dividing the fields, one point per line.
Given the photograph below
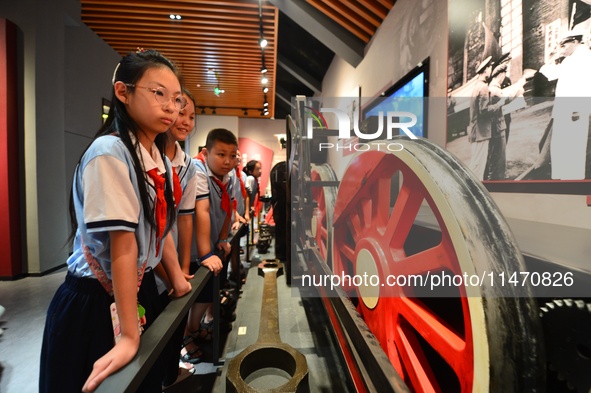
x=406 y=95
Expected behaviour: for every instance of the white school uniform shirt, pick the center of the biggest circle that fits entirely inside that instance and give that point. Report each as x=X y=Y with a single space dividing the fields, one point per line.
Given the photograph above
x=106 y=198
x=186 y=171
x=252 y=188
x=207 y=188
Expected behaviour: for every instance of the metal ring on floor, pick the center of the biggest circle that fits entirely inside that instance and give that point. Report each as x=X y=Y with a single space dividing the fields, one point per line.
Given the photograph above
x=268 y=355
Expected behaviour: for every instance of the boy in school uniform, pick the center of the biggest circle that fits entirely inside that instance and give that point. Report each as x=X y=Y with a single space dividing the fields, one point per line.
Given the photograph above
x=213 y=210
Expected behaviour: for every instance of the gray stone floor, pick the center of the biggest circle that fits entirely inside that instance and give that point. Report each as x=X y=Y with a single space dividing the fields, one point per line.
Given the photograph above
x=26 y=303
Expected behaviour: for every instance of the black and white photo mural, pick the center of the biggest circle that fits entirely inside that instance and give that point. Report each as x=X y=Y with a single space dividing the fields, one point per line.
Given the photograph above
x=519 y=93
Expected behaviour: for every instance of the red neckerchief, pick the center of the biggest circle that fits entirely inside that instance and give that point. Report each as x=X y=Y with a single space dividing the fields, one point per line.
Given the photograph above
x=178 y=189
x=225 y=196
x=159 y=205
x=242 y=186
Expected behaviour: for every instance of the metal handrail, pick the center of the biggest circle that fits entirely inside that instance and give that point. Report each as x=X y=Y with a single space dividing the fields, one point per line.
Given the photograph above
x=154 y=340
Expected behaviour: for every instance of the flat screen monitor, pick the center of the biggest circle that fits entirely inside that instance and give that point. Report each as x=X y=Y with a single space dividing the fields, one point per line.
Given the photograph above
x=406 y=95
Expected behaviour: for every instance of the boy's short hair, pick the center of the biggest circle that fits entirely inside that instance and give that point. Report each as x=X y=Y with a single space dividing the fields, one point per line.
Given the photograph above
x=220 y=135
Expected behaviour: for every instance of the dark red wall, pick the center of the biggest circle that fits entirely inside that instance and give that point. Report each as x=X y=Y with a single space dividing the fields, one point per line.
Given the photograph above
x=10 y=205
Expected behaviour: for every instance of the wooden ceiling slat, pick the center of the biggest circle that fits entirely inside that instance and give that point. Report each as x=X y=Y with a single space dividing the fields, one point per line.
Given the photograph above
x=155 y=9
x=238 y=88
x=185 y=24
x=224 y=6
x=232 y=93
x=237 y=105
x=142 y=38
x=201 y=47
x=359 y=9
x=230 y=96
x=158 y=29
x=225 y=69
x=335 y=16
x=222 y=3
x=227 y=78
x=234 y=59
x=207 y=95
x=342 y=13
x=189 y=16
x=387 y=3
x=216 y=104
x=220 y=40
x=380 y=10
x=212 y=37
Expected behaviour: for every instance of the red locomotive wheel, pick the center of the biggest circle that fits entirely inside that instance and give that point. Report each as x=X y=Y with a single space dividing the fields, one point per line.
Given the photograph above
x=469 y=338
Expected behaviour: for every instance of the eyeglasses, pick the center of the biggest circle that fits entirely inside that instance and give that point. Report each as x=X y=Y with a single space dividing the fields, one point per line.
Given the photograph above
x=162 y=96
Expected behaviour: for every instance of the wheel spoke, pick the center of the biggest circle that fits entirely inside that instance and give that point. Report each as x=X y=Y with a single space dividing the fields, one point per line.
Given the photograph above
x=431 y=260
x=403 y=215
x=436 y=332
x=415 y=362
x=354 y=224
x=347 y=252
x=365 y=213
x=381 y=207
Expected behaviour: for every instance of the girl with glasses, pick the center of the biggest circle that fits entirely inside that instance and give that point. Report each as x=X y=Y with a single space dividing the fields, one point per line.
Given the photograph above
x=122 y=208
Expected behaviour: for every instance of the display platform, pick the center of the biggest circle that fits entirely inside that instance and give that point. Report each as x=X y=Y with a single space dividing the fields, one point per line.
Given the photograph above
x=302 y=324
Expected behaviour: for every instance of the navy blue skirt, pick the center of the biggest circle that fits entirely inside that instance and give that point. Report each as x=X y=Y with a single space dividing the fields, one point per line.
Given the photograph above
x=78 y=331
